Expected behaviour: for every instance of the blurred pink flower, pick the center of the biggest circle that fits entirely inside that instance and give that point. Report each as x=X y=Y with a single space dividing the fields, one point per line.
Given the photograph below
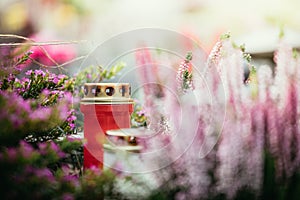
x=26 y=149
x=68 y=196
x=50 y=55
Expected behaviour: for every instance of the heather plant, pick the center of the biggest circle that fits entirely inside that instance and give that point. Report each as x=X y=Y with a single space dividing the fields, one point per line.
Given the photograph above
x=38 y=157
x=138 y=118
x=38 y=173
x=41 y=96
x=251 y=151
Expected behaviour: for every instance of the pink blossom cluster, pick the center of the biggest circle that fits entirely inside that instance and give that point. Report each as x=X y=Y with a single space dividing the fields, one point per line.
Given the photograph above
x=27 y=167
x=39 y=101
x=20 y=114
x=223 y=129
x=51 y=55
x=183 y=76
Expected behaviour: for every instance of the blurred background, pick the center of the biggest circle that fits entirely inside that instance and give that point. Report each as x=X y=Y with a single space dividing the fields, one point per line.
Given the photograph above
x=256 y=23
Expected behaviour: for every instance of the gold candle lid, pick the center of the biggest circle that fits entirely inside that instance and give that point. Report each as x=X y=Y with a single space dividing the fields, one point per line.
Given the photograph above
x=107 y=92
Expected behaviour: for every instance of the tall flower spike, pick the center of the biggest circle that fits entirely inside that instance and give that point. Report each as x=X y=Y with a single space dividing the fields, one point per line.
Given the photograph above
x=147 y=69
x=184 y=75
x=283 y=71
x=215 y=54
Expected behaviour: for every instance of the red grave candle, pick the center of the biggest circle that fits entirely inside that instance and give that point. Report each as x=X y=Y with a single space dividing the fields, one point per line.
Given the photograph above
x=105 y=106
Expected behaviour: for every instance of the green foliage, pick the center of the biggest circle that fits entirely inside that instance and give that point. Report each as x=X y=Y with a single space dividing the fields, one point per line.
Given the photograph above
x=97 y=185
x=187 y=79
x=96 y=74
x=247 y=57
x=225 y=36
x=295 y=54
x=113 y=71
x=37 y=160
x=189 y=56
x=24 y=58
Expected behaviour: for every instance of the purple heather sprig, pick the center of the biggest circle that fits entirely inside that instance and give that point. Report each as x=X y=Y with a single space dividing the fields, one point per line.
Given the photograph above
x=46 y=97
x=215 y=54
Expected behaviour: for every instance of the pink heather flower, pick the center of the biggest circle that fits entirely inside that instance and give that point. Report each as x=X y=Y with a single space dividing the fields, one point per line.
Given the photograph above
x=71 y=118
x=184 y=84
x=62 y=76
x=96 y=170
x=16 y=120
x=44 y=173
x=283 y=137
x=69 y=177
x=68 y=196
x=43 y=148
x=61 y=94
x=71 y=138
x=12 y=153
x=265 y=82
x=16 y=108
x=29 y=72
x=39 y=72
x=63 y=111
x=29 y=169
x=11 y=77
x=5 y=51
x=72 y=126
x=26 y=107
x=55 y=92
x=70 y=112
x=26 y=149
x=213 y=69
x=41 y=114
x=141 y=112
x=46 y=92
x=68 y=97
x=25 y=79
x=283 y=58
x=171 y=102
x=17 y=80
x=89 y=76
x=55 y=80
x=215 y=55
x=54 y=146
